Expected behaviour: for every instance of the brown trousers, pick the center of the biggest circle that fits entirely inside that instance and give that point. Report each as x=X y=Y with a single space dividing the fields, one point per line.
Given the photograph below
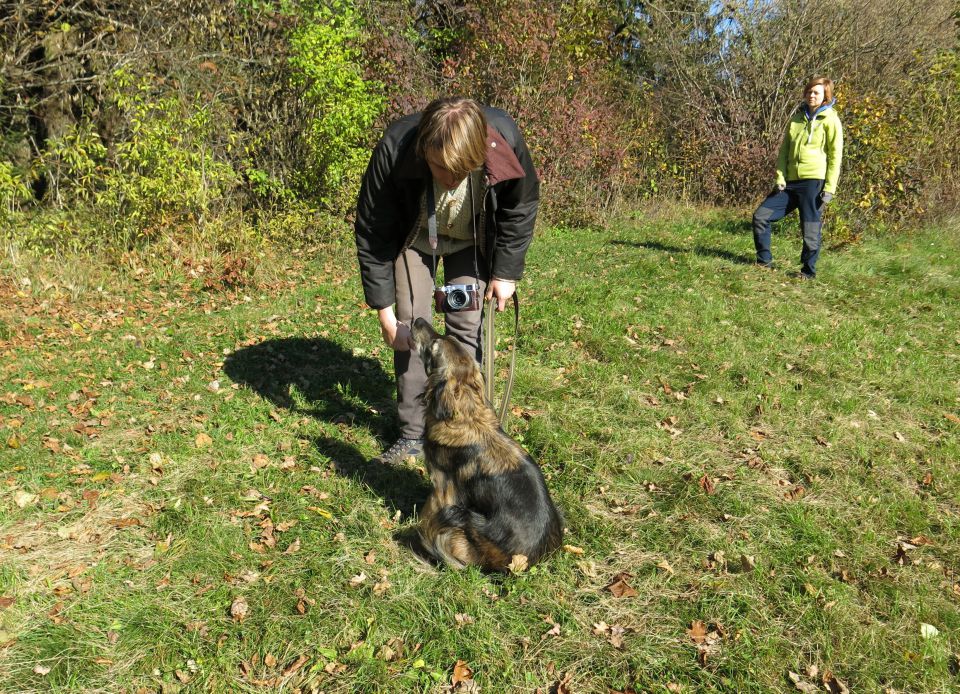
x=415 y=282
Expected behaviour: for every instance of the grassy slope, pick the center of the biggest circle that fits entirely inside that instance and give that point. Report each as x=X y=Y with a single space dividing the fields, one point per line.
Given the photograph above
x=653 y=356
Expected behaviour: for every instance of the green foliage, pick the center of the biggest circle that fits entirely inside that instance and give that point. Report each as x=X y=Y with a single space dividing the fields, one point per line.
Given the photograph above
x=901 y=154
x=14 y=191
x=166 y=170
x=618 y=101
x=74 y=165
x=326 y=58
x=298 y=225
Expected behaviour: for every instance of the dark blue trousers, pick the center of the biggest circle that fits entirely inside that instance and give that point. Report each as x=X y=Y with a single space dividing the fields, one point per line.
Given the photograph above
x=803 y=195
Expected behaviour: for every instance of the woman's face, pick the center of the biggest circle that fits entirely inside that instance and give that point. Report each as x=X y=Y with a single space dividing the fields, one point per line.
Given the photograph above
x=441 y=174
x=814 y=96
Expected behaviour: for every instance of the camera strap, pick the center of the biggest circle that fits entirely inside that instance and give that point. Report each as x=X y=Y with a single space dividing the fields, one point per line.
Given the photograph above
x=432 y=228
x=432 y=234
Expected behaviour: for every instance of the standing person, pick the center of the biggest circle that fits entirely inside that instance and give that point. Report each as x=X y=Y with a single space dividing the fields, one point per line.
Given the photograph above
x=807 y=171
x=467 y=166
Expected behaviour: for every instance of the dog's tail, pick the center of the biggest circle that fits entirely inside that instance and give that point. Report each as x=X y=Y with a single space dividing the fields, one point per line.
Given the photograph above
x=462 y=538
x=447 y=545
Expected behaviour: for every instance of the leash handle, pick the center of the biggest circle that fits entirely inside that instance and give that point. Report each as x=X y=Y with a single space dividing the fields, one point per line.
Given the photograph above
x=489 y=349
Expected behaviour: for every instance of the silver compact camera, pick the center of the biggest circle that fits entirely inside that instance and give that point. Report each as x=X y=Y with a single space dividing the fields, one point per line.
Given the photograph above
x=457 y=297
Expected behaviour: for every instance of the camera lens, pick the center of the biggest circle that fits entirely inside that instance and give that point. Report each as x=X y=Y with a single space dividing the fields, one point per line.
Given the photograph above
x=457 y=298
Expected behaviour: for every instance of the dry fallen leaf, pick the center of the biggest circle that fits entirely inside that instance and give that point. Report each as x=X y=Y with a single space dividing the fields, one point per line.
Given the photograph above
x=381 y=587
x=707 y=485
x=801 y=684
x=572 y=549
x=563 y=684
x=795 y=493
x=23 y=499
x=833 y=685
x=463 y=618
x=203 y=440
x=461 y=673
x=293 y=547
x=239 y=609
x=716 y=560
x=669 y=425
x=697 y=631
x=616 y=636
x=295 y=665
x=357 y=581
x=619 y=587
x=554 y=628
x=518 y=563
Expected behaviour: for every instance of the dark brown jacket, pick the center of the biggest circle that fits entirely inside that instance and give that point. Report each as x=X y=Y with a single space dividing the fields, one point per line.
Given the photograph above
x=390 y=205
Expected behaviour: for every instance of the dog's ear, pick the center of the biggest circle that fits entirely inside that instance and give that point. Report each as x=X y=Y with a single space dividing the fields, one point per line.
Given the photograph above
x=432 y=357
x=441 y=402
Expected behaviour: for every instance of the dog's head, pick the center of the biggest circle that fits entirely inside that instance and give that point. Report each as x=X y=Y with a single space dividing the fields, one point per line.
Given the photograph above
x=454 y=380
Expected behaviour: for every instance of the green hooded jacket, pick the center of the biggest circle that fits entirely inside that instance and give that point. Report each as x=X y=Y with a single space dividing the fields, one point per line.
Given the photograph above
x=812 y=148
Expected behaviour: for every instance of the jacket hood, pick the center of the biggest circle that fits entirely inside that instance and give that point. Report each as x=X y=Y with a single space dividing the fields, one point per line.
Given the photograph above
x=822 y=108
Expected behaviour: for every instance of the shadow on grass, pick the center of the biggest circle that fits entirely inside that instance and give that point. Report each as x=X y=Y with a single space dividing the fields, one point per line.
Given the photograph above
x=729 y=256
x=741 y=226
x=334 y=386
x=402 y=489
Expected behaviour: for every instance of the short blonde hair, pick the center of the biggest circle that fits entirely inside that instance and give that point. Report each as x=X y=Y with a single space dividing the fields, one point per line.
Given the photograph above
x=827 y=87
x=456 y=129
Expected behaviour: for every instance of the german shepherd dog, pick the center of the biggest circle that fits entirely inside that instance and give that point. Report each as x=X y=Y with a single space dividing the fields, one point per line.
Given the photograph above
x=489 y=500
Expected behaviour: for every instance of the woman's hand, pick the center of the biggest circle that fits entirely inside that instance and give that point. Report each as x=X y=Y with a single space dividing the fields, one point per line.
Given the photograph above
x=502 y=289
x=396 y=335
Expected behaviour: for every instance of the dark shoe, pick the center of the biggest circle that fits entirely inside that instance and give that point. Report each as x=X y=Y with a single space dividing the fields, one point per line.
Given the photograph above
x=400 y=451
x=769 y=265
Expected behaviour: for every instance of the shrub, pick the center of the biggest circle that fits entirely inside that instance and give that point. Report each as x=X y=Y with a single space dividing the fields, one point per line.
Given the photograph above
x=326 y=57
x=14 y=191
x=901 y=152
x=587 y=127
x=166 y=170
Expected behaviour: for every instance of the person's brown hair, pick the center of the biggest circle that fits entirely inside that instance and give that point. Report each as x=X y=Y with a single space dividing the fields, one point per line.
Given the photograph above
x=827 y=87
x=456 y=129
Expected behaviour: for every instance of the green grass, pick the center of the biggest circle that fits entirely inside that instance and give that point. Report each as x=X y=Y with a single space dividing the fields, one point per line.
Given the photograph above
x=652 y=355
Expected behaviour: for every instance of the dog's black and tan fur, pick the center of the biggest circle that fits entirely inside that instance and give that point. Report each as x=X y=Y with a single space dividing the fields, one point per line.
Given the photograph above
x=489 y=499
